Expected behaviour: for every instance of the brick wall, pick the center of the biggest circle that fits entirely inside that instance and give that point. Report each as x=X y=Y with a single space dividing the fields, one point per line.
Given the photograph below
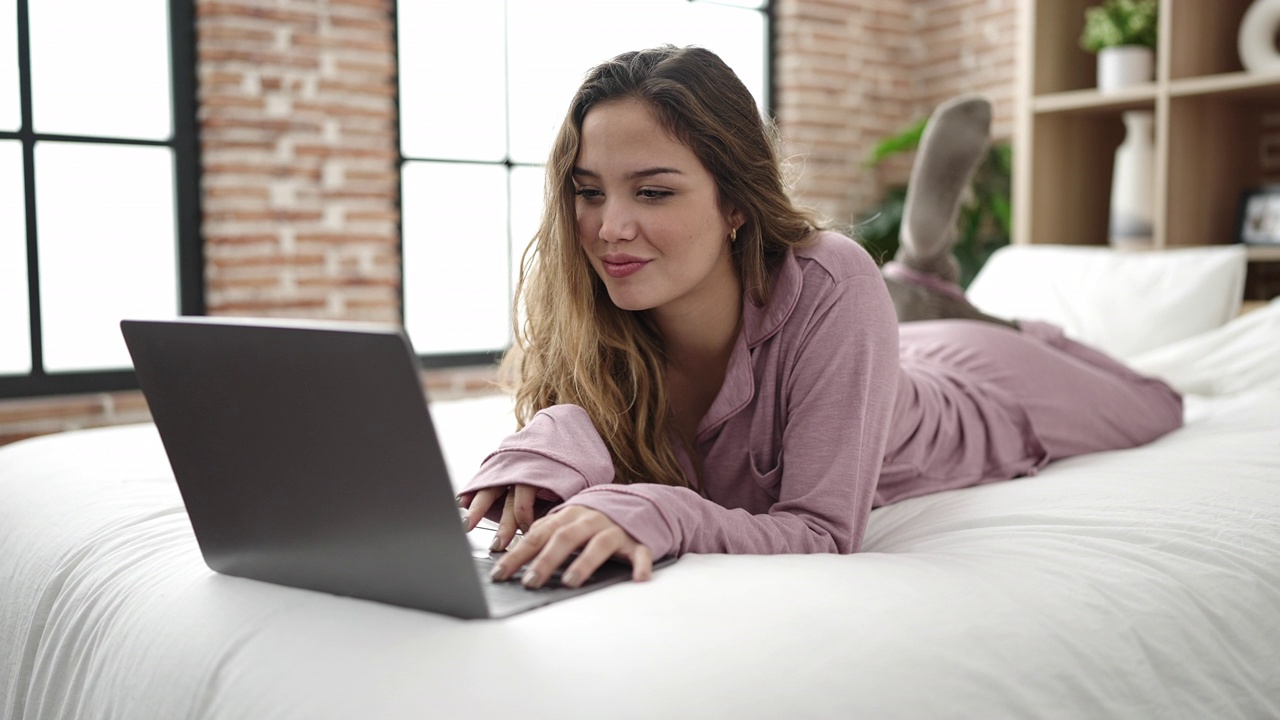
x=852 y=72
x=297 y=120
x=298 y=135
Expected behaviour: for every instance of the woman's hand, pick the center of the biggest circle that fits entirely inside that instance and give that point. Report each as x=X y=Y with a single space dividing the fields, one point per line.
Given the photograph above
x=549 y=542
x=517 y=511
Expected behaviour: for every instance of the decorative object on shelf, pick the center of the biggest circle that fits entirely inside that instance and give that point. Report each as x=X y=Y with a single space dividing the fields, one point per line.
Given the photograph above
x=1260 y=216
x=1257 y=39
x=1132 y=225
x=1123 y=34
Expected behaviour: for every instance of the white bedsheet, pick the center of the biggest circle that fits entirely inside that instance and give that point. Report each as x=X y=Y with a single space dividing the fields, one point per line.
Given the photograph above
x=1134 y=584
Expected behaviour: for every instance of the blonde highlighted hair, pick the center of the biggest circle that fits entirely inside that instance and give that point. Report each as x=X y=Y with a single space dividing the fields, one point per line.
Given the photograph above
x=573 y=345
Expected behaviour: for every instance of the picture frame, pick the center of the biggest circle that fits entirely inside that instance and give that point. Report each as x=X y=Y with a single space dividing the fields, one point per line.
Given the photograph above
x=1260 y=216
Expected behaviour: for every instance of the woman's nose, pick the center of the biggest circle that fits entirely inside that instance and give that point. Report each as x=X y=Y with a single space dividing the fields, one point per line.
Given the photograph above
x=617 y=223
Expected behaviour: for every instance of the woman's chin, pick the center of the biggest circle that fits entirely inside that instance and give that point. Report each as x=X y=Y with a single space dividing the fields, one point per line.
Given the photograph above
x=627 y=301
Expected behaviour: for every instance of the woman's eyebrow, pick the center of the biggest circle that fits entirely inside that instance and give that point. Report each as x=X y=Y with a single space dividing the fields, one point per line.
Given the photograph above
x=633 y=175
x=650 y=172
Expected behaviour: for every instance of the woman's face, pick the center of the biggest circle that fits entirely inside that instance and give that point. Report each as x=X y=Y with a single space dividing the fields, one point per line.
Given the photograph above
x=648 y=216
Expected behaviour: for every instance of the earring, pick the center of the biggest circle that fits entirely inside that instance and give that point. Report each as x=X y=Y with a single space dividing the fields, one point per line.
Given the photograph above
x=733 y=236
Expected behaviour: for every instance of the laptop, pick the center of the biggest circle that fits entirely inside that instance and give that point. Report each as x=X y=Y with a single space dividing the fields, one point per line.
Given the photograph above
x=306 y=456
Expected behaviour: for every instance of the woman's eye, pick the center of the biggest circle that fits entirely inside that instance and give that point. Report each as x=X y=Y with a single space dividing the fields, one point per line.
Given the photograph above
x=653 y=194
x=587 y=193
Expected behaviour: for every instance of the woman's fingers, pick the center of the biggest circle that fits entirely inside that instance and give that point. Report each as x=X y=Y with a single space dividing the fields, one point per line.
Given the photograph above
x=507 y=525
x=562 y=542
x=641 y=563
x=602 y=546
x=480 y=504
x=553 y=539
x=524 y=497
x=523 y=552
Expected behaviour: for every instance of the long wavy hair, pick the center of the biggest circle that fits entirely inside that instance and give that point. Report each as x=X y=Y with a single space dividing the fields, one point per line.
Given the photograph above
x=572 y=344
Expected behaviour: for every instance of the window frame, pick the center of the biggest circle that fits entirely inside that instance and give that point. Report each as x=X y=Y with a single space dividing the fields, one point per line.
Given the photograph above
x=186 y=152
x=452 y=360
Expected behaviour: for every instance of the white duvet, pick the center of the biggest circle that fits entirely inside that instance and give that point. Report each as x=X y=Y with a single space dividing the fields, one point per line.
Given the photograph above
x=1134 y=584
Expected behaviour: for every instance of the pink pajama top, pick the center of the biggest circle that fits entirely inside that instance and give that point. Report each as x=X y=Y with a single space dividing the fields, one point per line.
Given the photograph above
x=820 y=419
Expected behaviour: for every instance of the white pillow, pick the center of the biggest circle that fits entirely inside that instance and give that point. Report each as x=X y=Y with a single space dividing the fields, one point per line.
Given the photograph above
x=1124 y=303
x=1241 y=355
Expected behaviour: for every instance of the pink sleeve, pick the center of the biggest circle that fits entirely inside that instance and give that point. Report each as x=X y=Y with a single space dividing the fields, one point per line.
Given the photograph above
x=559 y=452
x=840 y=391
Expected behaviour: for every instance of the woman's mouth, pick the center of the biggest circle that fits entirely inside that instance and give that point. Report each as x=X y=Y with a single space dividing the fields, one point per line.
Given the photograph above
x=622 y=267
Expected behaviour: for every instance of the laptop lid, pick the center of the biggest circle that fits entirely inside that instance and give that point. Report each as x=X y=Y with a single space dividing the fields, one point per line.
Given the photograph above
x=306 y=456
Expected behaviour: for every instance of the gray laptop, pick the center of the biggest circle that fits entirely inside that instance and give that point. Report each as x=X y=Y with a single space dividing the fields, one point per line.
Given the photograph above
x=306 y=456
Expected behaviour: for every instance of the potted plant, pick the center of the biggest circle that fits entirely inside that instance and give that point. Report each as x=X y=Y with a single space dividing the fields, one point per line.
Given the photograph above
x=1123 y=34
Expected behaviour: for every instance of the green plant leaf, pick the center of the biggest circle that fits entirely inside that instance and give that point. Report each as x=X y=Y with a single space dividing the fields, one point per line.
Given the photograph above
x=1120 y=22
x=905 y=141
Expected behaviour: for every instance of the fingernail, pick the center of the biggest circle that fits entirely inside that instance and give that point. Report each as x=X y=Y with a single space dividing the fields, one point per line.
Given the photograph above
x=496 y=544
x=570 y=578
x=496 y=573
x=529 y=579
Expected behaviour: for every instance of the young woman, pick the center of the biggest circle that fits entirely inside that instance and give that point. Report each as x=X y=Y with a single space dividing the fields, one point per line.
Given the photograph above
x=702 y=369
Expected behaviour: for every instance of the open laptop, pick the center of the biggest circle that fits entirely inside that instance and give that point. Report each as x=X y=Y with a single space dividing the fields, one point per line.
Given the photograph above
x=306 y=456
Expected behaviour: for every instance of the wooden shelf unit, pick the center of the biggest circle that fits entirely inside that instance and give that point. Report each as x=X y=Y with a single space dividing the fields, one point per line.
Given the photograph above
x=1210 y=124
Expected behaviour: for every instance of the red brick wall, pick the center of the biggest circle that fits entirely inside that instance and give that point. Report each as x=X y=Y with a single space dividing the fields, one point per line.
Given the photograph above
x=297 y=119
x=852 y=72
x=298 y=134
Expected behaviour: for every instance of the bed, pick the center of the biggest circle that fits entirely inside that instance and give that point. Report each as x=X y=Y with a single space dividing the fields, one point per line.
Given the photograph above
x=1135 y=584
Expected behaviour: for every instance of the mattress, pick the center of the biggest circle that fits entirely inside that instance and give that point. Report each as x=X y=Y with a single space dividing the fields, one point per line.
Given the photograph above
x=1142 y=583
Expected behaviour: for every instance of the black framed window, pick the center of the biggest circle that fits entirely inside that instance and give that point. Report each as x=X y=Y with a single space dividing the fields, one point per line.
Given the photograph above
x=483 y=87
x=99 y=216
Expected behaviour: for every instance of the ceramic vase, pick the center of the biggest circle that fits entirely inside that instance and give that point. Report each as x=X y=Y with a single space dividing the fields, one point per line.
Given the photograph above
x=1132 y=225
x=1257 y=39
x=1125 y=65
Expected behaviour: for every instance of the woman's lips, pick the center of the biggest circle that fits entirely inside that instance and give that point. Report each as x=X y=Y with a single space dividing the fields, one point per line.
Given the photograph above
x=622 y=267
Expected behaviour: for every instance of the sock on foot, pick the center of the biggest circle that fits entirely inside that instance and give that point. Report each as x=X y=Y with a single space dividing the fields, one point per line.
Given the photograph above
x=954 y=142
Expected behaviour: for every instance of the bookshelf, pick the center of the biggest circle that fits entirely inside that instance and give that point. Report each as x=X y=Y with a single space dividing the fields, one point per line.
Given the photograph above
x=1211 y=122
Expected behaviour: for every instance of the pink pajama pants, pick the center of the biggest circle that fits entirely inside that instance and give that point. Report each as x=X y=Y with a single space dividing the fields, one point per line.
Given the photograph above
x=979 y=402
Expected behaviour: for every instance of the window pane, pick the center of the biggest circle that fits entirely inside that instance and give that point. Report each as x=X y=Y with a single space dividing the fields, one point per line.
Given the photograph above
x=10 y=111
x=15 y=327
x=527 y=184
x=456 y=293
x=452 y=84
x=738 y=36
x=108 y=249
x=552 y=43
x=101 y=68
x=757 y=4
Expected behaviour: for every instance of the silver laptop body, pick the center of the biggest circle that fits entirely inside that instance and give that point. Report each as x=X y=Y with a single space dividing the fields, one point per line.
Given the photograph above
x=306 y=456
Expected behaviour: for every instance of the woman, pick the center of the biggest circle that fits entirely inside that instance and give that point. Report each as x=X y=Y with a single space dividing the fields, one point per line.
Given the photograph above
x=703 y=370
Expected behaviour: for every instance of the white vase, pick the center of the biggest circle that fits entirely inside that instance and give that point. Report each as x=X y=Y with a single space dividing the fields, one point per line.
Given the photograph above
x=1257 y=39
x=1132 y=225
x=1125 y=65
